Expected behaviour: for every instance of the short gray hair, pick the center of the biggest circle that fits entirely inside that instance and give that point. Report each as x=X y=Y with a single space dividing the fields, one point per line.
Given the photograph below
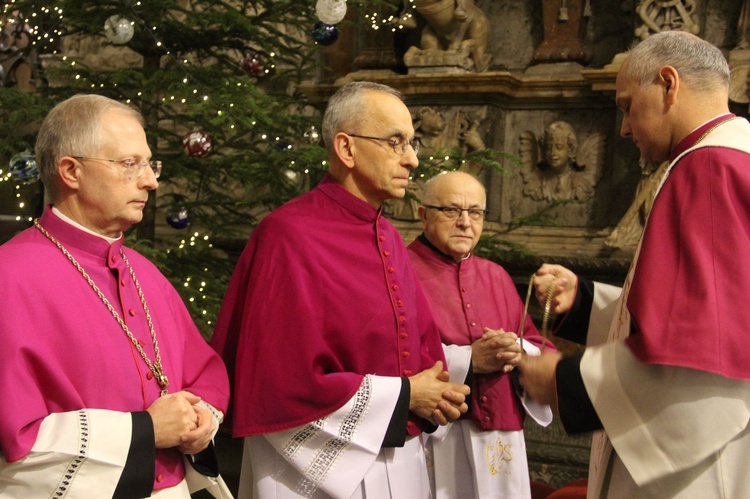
x=72 y=129
x=346 y=110
x=701 y=65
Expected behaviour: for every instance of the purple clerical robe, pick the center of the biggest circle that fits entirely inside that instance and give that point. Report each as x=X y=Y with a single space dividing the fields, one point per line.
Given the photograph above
x=688 y=299
x=467 y=296
x=322 y=295
x=62 y=350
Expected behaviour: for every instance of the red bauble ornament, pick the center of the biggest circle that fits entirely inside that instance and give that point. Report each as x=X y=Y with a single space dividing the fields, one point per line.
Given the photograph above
x=197 y=143
x=253 y=64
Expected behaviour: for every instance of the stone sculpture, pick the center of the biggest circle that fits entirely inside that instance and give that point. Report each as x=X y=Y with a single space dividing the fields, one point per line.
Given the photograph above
x=666 y=15
x=455 y=36
x=568 y=170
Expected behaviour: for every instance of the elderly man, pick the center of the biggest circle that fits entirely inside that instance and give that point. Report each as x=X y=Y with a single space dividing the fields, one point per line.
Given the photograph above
x=335 y=356
x=668 y=375
x=477 y=309
x=107 y=385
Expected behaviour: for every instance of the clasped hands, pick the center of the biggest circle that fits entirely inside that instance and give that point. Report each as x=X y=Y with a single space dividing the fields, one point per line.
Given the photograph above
x=435 y=398
x=179 y=422
x=495 y=351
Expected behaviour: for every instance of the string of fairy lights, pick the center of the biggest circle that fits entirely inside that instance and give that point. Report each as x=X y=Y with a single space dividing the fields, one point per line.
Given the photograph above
x=13 y=20
x=393 y=21
x=119 y=30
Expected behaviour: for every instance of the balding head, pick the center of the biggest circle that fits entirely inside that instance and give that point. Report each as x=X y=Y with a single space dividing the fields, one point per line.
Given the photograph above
x=455 y=237
x=453 y=183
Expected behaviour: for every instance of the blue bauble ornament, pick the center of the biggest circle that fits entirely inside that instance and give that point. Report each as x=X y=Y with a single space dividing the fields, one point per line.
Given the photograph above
x=178 y=218
x=23 y=167
x=325 y=34
x=282 y=145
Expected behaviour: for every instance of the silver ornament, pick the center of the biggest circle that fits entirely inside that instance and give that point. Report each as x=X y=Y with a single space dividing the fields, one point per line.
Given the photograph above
x=330 y=11
x=118 y=29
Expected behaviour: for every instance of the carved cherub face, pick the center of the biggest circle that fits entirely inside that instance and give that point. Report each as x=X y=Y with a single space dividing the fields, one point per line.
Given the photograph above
x=560 y=144
x=431 y=121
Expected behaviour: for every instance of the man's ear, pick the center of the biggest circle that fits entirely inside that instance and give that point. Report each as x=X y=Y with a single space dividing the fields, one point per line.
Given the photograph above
x=669 y=78
x=68 y=171
x=422 y=212
x=343 y=146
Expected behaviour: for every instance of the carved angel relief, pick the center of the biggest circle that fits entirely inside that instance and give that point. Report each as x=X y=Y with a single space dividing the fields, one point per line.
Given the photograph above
x=567 y=169
x=435 y=132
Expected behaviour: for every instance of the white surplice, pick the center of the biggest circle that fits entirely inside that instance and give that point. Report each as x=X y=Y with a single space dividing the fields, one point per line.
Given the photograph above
x=676 y=432
x=339 y=456
x=81 y=455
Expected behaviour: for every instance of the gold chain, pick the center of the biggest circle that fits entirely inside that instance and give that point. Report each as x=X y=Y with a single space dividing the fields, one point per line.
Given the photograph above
x=547 y=310
x=155 y=367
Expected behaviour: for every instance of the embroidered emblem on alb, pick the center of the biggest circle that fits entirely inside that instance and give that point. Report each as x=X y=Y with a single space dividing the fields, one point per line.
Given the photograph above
x=497 y=455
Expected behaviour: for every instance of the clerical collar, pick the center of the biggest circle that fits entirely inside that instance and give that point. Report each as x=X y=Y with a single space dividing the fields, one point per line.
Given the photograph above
x=690 y=140
x=75 y=224
x=423 y=239
x=360 y=208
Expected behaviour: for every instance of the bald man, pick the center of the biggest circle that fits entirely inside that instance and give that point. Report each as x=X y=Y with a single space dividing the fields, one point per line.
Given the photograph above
x=478 y=311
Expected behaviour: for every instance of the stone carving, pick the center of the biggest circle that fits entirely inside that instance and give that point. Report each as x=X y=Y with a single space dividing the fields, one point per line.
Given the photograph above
x=436 y=134
x=743 y=26
x=739 y=59
x=625 y=236
x=430 y=128
x=455 y=36
x=666 y=15
x=564 y=28
x=568 y=170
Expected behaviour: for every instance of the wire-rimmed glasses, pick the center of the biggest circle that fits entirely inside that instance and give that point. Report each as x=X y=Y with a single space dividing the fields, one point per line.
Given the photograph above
x=399 y=143
x=130 y=164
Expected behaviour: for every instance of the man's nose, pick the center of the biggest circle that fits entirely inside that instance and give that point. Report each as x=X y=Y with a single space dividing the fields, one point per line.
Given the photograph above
x=463 y=219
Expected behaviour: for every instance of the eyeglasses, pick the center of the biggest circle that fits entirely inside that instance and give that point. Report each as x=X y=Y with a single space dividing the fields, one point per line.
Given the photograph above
x=453 y=213
x=130 y=164
x=398 y=143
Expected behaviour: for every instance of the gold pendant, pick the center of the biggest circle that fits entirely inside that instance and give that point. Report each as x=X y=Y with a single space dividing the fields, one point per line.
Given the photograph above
x=161 y=378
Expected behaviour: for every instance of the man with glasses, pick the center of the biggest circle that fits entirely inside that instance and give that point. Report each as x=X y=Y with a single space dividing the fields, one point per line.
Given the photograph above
x=108 y=388
x=478 y=310
x=335 y=357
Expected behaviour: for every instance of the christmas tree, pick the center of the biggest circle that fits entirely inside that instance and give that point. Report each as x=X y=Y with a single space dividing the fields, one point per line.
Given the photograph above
x=218 y=83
